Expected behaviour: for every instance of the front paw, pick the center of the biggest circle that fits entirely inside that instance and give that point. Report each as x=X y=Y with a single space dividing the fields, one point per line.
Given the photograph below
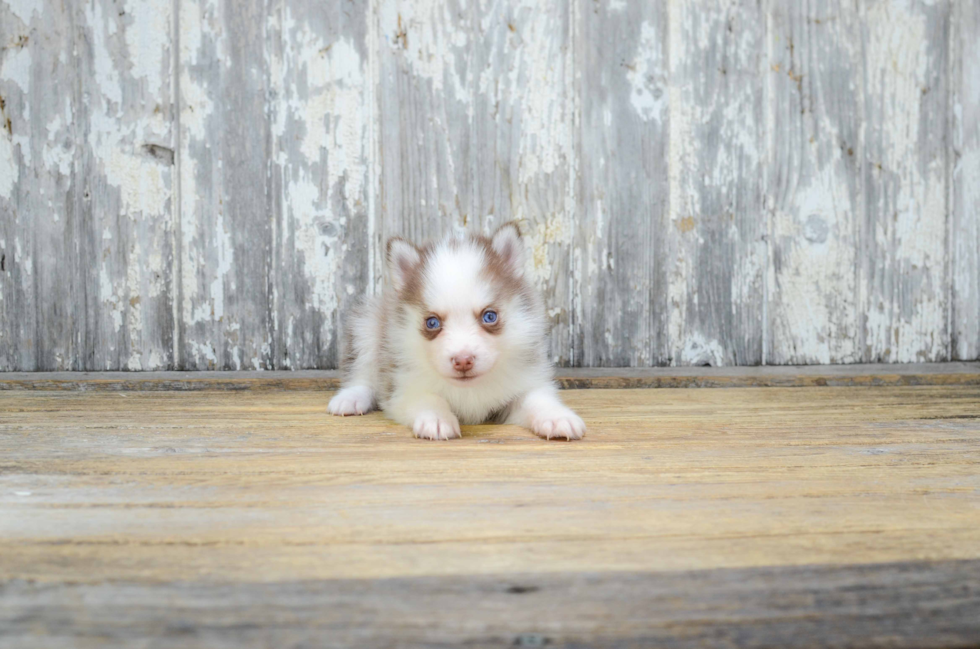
x=356 y=400
x=559 y=424
x=436 y=425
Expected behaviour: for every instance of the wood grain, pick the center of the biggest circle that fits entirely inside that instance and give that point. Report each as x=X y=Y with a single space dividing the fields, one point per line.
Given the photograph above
x=717 y=139
x=228 y=208
x=844 y=513
x=621 y=257
x=42 y=326
x=816 y=190
x=122 y=243
x=904 y=232
x=322 y=121
x=916 y=605
x=964 y=165
x=85 y=242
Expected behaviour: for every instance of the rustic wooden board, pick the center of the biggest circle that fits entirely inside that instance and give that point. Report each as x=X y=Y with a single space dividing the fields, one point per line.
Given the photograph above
x=717 y=182
x=122 y=242
x=834 y=516
x=42 y=324
x=323 y=120
x=86 y=234
x=917 y=605
x=569 y=378
x=903 y=239
x=964 y=162
x=621 y=264
x=816 y=208
x=227 y=206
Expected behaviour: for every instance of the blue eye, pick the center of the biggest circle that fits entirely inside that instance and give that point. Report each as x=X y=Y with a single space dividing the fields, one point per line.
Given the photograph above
x=432 y=323
x=489 y=316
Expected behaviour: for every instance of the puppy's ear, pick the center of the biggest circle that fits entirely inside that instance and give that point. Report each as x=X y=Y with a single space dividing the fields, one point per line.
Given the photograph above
x=507 y=243
x=402 y=258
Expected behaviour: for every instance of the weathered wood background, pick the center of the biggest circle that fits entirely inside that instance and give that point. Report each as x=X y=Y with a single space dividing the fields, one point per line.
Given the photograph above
x=207 y=184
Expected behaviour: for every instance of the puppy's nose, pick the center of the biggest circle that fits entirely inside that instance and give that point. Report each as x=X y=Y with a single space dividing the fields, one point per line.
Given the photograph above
x=463 y=362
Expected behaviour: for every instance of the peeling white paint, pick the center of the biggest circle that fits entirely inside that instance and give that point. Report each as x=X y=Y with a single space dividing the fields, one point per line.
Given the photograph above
x=196 y=105
x=815 y=294
x=545 y=125
x=331 y=117
x=205 y=351
x=134 y=314
x=157 y=272
x=698 y=350
x=105 y=73
x=147 y=38
x=683 y=203
x=905 y=327
x=59 y=147
x=225 y=255
x=110 y=297
x=426 y=31
x=157 y=361
x=541 y=238
x=25 y=10
x=144 y=189
x=645 y=76
x=206 y=257
x=9 y=170
x=16 y=68
x=966 y=242
x=504 y=74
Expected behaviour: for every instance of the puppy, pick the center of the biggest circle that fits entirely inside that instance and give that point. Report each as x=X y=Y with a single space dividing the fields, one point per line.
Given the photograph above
x=458 y=336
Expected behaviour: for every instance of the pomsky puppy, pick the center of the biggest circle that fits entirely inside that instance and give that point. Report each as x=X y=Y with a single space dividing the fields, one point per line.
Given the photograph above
x=458 y=336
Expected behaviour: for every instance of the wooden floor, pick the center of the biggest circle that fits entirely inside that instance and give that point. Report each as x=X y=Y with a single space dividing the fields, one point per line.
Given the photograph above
x=688 y=517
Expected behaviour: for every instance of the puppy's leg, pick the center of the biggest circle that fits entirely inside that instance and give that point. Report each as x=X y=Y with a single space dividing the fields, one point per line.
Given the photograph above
x=352 y=400
x=428 y=414
x=360 y=362
x=543 y=412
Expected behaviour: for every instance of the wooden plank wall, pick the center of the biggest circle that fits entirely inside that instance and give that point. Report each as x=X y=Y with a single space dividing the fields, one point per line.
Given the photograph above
x=208 y=184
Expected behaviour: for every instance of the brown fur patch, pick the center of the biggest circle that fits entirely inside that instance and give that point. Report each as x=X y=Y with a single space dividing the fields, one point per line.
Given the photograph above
x=411 y=292
x=498 y=272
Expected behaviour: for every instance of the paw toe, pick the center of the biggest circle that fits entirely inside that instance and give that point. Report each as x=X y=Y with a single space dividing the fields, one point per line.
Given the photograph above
x=350 y=403
x=430 y=426
x=566 y=426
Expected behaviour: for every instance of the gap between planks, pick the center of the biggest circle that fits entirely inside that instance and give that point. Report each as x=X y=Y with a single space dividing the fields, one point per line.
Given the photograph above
x=957 y=373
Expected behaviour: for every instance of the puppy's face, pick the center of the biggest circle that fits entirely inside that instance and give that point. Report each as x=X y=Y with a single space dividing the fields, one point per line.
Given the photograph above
x=462 y=302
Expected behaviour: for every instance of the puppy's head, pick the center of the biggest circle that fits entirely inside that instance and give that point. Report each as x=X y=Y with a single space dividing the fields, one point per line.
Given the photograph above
x=465 y=306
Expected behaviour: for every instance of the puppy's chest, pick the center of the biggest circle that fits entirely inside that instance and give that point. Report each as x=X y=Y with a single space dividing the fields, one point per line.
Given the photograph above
x=478 y=405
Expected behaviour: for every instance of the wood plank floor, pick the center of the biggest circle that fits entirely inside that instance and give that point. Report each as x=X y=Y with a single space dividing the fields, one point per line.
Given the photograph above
x=687 y=517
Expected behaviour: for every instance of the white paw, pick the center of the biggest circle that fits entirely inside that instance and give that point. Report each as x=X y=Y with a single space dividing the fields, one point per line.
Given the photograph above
x=558 y=424
x=355 y=400
x=436 y=425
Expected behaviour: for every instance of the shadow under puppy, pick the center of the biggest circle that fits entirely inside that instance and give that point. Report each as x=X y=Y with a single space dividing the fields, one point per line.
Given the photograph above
x=458 y=336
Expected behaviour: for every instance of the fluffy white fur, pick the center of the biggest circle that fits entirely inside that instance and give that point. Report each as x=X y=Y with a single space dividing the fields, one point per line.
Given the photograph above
x=395 y=363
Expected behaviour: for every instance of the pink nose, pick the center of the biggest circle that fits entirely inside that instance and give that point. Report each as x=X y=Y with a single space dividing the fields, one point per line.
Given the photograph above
x=463 y=362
